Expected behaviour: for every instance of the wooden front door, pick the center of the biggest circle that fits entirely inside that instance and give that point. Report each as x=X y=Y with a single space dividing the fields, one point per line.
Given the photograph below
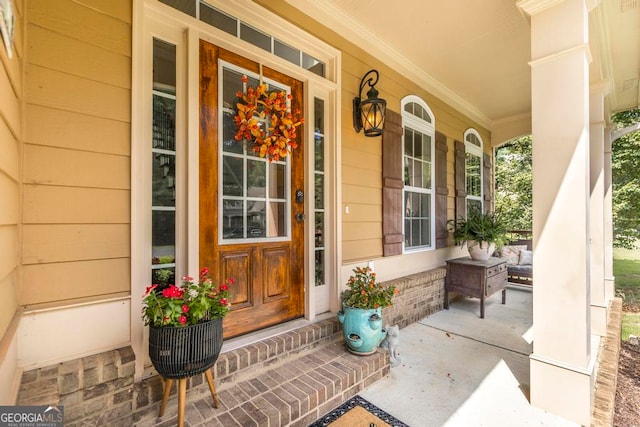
x=251 y=222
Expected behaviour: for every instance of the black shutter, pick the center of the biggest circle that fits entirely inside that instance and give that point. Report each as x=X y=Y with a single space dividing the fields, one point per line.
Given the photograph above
x=392 y=184
x=461 y=187
x=441 y=190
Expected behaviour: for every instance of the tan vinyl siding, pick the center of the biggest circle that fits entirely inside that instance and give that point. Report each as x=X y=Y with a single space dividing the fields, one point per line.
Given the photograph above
x=361 y=156
x=77 y=131
x=68 y=243
x=10 y=136
x=46 y=204
x=62 y=279
x=77 y=145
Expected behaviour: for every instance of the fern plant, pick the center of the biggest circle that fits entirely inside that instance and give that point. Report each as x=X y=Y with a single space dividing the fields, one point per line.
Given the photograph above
x=479 y=227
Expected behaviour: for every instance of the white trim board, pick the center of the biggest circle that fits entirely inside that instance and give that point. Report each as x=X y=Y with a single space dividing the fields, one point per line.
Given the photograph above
x=56 y=335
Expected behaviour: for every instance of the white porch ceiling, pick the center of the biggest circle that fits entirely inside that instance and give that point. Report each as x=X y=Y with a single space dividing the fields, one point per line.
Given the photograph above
x=474 y=54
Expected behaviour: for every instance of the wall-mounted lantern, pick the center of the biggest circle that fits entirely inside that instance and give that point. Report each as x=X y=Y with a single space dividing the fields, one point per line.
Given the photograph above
x=369 y=114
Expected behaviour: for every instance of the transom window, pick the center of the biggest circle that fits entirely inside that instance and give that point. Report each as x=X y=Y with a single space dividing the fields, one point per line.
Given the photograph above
x=418 y=166
x=234 y=26
x=473 y=169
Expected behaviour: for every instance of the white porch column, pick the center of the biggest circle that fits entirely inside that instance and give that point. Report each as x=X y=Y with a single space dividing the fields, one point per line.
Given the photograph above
x=562 y=366
x=609 y=279
x=599 y=302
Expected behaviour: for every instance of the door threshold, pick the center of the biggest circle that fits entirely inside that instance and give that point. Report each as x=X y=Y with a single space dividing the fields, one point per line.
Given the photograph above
x=253 y=337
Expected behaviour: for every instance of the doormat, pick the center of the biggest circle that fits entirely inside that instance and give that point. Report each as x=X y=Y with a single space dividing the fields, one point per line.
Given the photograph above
x=357 y=412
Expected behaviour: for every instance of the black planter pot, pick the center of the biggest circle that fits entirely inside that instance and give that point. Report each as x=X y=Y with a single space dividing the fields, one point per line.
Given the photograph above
x=180 y=352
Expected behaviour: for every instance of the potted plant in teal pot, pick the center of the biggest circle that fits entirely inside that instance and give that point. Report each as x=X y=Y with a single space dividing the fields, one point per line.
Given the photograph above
x=361 y=315
x=185 y=330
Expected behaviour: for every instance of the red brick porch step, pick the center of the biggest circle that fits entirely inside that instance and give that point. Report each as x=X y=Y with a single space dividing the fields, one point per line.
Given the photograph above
x=308 y=374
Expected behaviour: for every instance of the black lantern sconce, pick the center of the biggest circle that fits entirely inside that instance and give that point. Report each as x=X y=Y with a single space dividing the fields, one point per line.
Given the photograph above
x=369 y=114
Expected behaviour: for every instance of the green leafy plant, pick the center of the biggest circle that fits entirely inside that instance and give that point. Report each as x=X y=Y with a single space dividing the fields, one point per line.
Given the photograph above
x=364 y=292
x=190 y=303
x=479 y=227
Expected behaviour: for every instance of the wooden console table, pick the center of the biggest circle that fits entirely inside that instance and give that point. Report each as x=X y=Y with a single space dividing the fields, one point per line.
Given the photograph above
x=478 y=279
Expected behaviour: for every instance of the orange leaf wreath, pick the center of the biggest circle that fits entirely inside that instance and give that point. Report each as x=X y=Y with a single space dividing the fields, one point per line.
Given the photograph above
x=256 y=105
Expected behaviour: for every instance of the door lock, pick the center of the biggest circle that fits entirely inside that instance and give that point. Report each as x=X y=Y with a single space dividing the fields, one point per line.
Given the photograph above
x=299 y=196
x=300 y=217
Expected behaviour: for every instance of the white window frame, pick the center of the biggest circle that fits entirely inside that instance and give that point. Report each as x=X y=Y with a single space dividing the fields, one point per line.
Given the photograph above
x=411 y=121
x=471 y=148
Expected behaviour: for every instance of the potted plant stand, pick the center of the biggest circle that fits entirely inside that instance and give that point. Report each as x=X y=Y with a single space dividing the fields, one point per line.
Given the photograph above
x=178 y=353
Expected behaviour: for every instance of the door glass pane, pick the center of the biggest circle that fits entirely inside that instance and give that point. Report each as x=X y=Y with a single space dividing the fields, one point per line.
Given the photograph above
x=277 y=181
x=232 y=176
x=248 y=181
x=256 y=218
x=229 y=143
x=233 y=219
x=277 y=225
x=256 y=178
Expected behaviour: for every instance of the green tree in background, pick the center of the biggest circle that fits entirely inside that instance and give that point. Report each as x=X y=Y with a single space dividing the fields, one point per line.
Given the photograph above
x=625 y=165
x=513 y=180
x=514 y=190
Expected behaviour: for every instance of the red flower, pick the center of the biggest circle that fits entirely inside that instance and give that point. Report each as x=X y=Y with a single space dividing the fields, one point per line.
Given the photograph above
x=173 y=292
x=223 y=301
x=224 y=287
x=187 y=279
x=183 y=319
x=150 y=288
x=231 y=281
x=185 y=308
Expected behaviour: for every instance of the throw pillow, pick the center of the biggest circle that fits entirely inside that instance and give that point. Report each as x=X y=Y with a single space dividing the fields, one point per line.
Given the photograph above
x=526 y=257
x=512 y=253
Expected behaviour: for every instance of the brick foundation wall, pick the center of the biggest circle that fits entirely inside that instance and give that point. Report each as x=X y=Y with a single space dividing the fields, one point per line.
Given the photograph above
x=419 y=295
x=100 y=389
x=93 y=389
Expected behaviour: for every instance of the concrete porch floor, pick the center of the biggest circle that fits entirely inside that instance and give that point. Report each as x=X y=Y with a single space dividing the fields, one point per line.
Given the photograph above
x=460 y=370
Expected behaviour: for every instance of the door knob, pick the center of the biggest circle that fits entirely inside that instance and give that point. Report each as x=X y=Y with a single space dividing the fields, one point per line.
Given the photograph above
x=299 y=217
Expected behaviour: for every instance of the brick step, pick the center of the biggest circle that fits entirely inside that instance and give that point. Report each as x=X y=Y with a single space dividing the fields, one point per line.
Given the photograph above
x=294 y=394
x=290 y=379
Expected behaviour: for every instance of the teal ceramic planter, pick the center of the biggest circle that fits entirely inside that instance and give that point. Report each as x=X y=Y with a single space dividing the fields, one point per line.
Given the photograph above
x=362 y=329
